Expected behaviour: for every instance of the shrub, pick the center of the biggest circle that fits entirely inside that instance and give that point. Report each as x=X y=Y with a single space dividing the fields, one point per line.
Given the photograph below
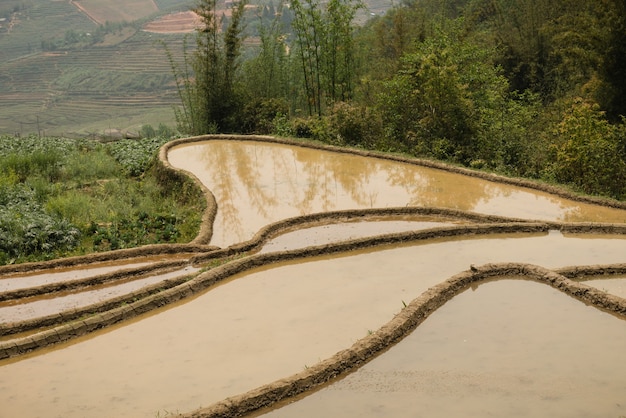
x=258 y=116
x=355 y=125
x=587 y=151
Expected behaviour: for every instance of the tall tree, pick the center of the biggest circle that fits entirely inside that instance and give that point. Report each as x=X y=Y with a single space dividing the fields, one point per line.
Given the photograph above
x=325 y=46
x=339 y=49
x=206 y=85
x=309 y=33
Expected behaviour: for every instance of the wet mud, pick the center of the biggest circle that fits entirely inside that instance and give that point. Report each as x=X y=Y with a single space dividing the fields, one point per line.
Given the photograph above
x=270 y=321
x=510 y=348
x=287 y=293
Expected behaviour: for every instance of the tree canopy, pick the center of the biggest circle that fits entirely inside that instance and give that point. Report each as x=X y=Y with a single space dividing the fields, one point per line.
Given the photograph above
x=524 y=87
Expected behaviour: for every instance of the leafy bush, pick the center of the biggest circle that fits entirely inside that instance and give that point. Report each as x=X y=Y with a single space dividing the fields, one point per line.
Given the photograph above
x=140 y=229
x=135 y=155
x=60 y=197
x=26 y=228
x=587 y=151
x=258 y=116
x=354 y=125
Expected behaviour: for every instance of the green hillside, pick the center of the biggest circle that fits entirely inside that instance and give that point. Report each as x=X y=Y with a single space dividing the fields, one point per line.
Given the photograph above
x=61 y=73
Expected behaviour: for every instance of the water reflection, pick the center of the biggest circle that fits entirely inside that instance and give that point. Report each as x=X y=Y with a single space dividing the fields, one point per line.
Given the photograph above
x=257 y=183
x=485 y=353
x=266 y=324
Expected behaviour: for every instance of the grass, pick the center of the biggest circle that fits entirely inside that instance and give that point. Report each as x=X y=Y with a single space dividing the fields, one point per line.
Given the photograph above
x=62 y=197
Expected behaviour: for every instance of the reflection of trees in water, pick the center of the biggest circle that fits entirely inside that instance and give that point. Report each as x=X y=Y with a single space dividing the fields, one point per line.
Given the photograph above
x=431 y=187
x=259 y=183
x=234 y=180
x=330 y=176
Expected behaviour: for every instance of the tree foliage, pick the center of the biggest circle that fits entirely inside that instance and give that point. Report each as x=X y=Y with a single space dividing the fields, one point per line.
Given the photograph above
x=325 y=49
x=525 y=87
x=206 y=81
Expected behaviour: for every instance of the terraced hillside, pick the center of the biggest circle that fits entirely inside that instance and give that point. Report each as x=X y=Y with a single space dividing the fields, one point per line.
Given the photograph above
x=81 y=67
x=61 y=73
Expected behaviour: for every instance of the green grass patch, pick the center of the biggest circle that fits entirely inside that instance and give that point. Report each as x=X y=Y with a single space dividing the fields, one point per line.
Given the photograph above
x=61 y=197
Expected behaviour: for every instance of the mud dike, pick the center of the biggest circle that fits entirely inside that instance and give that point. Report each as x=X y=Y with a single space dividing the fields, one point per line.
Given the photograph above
x=175 y=273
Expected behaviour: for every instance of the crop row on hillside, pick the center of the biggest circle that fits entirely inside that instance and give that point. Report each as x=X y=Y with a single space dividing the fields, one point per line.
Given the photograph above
x=69 y=91
x=116 y=10
x=41 y=21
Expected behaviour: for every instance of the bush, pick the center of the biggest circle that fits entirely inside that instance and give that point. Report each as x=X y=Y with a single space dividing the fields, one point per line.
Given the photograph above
x=95 y=188
x=354 y=125
x=587 y=151
x=26 y=228
x=258 y=116
x=135 y=155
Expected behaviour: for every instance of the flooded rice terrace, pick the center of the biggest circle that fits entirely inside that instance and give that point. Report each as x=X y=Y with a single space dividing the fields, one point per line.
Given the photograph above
x=257 y=183
x=509 y=347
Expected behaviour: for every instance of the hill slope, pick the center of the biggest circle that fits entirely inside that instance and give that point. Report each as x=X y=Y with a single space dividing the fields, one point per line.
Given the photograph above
x=76 y=67
x=62 y=72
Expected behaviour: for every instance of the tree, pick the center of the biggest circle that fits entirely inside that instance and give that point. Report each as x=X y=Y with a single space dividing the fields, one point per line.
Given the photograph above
x=339 y=49
x=206 y=82
x=438 y=103
x=267 y=74
x=308 y=28
x=587 y=151
x=325 y=47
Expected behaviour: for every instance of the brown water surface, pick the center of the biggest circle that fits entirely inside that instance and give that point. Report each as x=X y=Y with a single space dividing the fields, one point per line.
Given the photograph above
x=613 y=285
x=509 y=348
x=23 y=280
x=335 y=232
x=264 y=325
x=258 y=183
x=31 y=308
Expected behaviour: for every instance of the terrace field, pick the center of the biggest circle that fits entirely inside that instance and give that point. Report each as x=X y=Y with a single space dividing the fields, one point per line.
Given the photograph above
x=116 y=10
x=87 y=66
x=113 y=76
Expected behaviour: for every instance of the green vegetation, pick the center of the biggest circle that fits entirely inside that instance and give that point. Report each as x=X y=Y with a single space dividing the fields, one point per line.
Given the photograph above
x=529 y=88
x=60 y=197
x=205 y=83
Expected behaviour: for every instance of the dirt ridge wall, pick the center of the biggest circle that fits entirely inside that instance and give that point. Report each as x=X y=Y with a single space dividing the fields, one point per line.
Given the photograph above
x=237 y=263
x=400 y=326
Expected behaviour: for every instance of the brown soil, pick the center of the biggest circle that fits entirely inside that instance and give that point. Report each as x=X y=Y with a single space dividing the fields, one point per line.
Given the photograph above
x=234 y=260
x=181 y=22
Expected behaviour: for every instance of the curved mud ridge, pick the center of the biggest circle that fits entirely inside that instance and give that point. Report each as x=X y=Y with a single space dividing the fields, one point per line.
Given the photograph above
x=63 y=317
x=406 y=321
x=557 y=191
x=228 y=264
x=223 y=263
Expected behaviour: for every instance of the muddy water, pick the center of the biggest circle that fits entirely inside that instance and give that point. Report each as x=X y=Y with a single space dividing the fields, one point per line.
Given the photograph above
x=509 y=348
x=259 y=183
x=13 y=311
x=259 y=327
x=23 y=280
x=335 y=232
x=614 y=285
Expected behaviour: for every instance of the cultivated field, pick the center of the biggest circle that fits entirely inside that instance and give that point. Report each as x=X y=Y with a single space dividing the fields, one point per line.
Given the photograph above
x=116 y=10
x=85 y=66
x=122 y=81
